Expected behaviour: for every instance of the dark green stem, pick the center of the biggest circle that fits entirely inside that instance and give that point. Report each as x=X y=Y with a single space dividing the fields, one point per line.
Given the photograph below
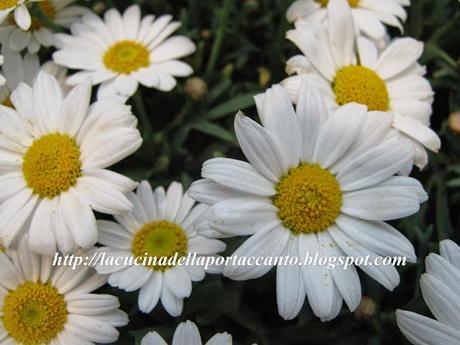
x=224 y=15
x=44 y=19
x=142 y=114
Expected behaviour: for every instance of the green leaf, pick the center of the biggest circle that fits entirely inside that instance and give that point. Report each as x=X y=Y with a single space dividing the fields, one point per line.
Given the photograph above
x=231 y=106
x=214 y=130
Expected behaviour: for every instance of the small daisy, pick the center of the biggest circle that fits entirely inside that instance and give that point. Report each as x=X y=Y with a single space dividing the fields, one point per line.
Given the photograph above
x=317 y=182
x=37 y=34
x=187 y=333
x=54 y=151
x=21 y=15
x=123 y=51
x=369 y=15
x=388 y=81
x=441 y=292
x=161 y=226
x=17 y=69
x=46 y=305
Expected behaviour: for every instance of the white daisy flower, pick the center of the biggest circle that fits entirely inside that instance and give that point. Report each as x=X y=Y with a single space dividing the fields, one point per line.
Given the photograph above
x=54 y=151
x=37 y=34
x=21 y=15
x=317 y=182
x=369 y=15
x=47 y=305
x=17 y=69
x=187 y=333
x=159 y=226
x=123 y=51
x=441 y=292
x=388 y=81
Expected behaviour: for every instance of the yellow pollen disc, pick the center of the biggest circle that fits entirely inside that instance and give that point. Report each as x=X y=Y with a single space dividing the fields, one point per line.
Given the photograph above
x=34 y=313
x=2 y=248
x=361 y=85
x=5 y=4
x=308 y=199
x=126 y=56
x=52 y=165
x=47 y=8
x=160 y=239
x=353 y=3
x=7 y=102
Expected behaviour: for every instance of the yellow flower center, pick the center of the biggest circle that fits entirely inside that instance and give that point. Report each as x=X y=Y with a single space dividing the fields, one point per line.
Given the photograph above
x=361 y=85
x=126 y=56
x=47 y=8
x=2 y=248
x=34 y=313
x=52 y=165
x=308 y=199
x=7 y=102
x=353 y=3
x=161 y=240
x=5 y=4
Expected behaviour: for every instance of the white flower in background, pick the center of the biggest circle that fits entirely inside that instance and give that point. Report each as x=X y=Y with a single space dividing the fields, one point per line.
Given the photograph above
x=54 y=153
x=2 y=78
x=388 y=81
x=369 y=15
x=187 y=333
x=17 y=69
x=38 y=34
x=161 y=225
x=441 y=292
x=123 y=51
x=316 y=182
x=47 y=305
x=18 y=10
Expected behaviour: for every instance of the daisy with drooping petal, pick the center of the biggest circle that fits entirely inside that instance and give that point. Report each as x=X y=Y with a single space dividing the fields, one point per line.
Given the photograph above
x=370 y=16
x=388 y=81
x=441 y=292
x=316 y=182
x=123 y=51
x=161 y=225
x=45 y=305
x=20 y=15
x=37 y=34
x=187 y=333
x=54 y=155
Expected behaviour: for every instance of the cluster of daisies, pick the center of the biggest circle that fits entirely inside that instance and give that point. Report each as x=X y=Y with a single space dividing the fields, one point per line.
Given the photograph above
x=325 y=170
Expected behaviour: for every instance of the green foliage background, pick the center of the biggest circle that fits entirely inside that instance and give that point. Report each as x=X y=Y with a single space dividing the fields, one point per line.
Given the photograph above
x=237 y=43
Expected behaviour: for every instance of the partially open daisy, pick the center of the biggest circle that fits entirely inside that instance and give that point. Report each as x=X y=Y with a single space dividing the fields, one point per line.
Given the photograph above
x=160 y=227
x=45 y=305
x=317 y=182
x=388 y=81
x=369 y=15
x=54 y=153
x=37 y=34
x=18 y=11
x=187 y=333
x=123 y=51
x=441 y=292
